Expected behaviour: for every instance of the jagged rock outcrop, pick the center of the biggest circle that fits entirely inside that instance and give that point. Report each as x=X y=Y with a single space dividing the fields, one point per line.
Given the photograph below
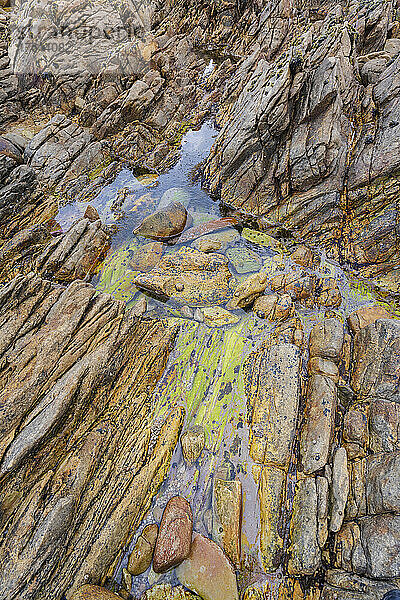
x=9 y=101
x=309 y=138
x=308 y=110
x=75 y=468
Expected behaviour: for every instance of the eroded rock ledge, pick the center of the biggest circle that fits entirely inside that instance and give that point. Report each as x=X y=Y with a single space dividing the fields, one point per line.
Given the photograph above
x=77 y=372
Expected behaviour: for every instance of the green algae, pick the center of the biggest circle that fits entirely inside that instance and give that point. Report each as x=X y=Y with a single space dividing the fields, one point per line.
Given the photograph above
x=260 y=238
x=206 y=376
x=117 y=277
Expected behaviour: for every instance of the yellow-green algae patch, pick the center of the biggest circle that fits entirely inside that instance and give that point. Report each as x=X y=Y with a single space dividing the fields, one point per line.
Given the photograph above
x=117 y=276
x=205 y=375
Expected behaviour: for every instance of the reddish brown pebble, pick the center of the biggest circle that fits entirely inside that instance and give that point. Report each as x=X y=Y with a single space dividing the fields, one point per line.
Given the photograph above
x=175 y=535
x=91 y=214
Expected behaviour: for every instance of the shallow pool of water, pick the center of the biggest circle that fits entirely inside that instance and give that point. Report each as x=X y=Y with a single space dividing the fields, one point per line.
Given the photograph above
x=205 y=373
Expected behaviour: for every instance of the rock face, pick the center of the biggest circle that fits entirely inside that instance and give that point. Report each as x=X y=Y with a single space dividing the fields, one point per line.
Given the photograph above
x=175 y=535
x=61 y=151
x=287 y=150
x=75 y=254
x=190 y=277
x=306 y=100
x=63 y=349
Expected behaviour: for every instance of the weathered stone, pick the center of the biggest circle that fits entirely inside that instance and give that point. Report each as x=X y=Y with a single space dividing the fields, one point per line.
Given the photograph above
x=271 y=492
x=350 y=554
x=216 y=316
x=142 y=554
x=193 y=442
x=146 y=257
x=376 y=370
x=61 y=151
x=305 y=554
x=164 y=591
x=347 y=586
x=219 y=240
x=264 y=306
x=91 y=214
x=175 y=535
x=244 y=260
x=340 y=489
x=371 y=547
x=273 y=308
x=225 y=470
x=198 y=315
x=75 y=254
x=189 y=277
x=366 y=316
x=210 y=226
x=305 y=257
x=69 y=439
x=207 y=571
x=384 y=426
x=355 y=432
x=247 y=291
x=275 y=404
x=323 y=509
x=319 y=418
x=259 y=237
x=290 y=332
x=357 y=501
x=327 y=292
x=382 y=483
x=227 y=517
x=7 y=148
x=323 y=366
x=94 y=592
x=140 y=307
x=126 y=583
x=204 y=244
x=298 y=286
x=164 y=224
x=326 y=339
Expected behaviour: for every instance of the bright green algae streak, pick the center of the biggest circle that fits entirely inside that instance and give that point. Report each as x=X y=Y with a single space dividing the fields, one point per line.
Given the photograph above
x=207 y=375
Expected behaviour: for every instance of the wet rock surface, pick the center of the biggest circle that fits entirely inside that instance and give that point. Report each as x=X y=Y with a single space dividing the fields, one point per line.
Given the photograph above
x=239 y=325
x=175 y=535
x=208 y=572
x=190 y=277
x=164 y=224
